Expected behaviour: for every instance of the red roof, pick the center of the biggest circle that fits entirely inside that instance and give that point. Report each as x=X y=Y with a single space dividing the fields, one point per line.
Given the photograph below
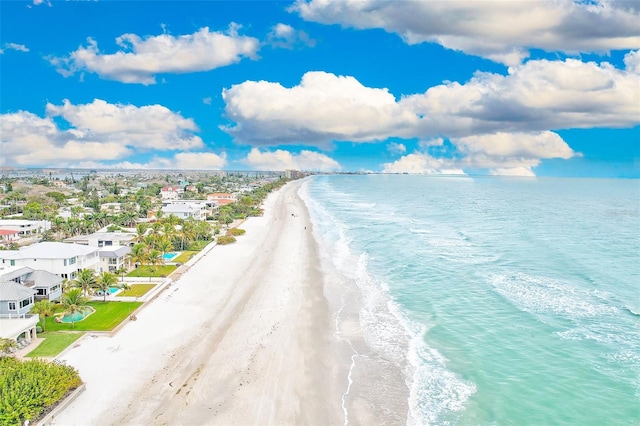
x=7 y=232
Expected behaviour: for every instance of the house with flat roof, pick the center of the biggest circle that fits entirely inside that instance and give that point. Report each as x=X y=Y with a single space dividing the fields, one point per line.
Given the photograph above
x=25 y=227
x=104 y=239
x=185 y=210
x=62 y=259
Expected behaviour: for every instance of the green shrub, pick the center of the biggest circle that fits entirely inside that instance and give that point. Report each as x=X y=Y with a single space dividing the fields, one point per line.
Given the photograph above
x=29 y=387
x=226 y=239
x=234 y=232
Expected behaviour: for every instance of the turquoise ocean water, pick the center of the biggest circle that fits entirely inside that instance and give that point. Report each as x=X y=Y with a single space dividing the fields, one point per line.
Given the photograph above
x=503 y=301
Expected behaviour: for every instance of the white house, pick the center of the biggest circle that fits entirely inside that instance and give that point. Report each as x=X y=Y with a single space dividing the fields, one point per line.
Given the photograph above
x=111 y=207
x=171 y=192
x=25 y=227
x=104 y=239
x=62 y=259
x=185 y=210
x=8 y=236
x=113 y=258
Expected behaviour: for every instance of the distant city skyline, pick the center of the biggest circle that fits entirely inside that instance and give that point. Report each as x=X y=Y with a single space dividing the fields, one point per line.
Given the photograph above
x=545 y=88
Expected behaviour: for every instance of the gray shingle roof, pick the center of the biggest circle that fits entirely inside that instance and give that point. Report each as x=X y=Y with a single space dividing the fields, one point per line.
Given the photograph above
x=10 y=290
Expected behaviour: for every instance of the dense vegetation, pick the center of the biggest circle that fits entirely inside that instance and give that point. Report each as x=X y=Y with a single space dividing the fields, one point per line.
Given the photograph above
x=234 y=232
x=27 y=388
x=226 y=239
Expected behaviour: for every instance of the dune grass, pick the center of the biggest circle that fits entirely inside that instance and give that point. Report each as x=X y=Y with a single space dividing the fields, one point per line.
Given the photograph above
x=54 y=342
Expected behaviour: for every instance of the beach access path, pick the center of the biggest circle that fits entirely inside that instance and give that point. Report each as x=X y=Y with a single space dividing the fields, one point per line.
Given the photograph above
x=243 y=337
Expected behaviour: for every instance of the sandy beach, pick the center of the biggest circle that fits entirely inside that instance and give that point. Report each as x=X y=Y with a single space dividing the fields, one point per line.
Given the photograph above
x=245 y=336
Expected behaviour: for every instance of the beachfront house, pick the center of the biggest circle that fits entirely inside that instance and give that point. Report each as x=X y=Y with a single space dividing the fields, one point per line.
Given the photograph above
x=104 y=239
x=114 y=258
x=62 y=259
x=47 y=286
x=16 y=301
x=184 y=209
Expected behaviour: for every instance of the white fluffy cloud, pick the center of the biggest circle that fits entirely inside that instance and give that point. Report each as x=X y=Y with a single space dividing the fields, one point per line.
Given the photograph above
x=537 y=96
x=140 y=59
x=499 y=30
x=492 y=119
x=324 y=107
x=514 y=154
x=282 y=160
x=97 y=130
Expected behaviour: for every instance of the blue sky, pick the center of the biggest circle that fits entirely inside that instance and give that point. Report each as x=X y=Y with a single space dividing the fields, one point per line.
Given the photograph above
x=507 y=88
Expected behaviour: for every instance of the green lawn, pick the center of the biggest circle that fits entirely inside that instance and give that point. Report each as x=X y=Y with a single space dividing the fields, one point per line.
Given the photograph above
x=106 y=317
x=54 y=342
x=146 y=271
x=136 y=290
x=184 y=256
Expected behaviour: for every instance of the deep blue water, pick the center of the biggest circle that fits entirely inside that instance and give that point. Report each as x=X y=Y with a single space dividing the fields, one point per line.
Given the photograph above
x=502 y=300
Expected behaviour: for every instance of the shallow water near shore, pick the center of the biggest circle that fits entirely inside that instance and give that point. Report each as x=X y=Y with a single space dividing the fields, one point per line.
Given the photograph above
x=485 y=300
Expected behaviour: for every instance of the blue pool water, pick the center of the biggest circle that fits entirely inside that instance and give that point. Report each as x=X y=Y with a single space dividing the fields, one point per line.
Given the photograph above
x=500 y=300
x=111 y=290
x=170 y=255
x=77 y=316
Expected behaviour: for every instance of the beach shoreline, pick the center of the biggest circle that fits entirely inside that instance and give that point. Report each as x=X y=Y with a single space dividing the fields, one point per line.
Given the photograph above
x=244 y=337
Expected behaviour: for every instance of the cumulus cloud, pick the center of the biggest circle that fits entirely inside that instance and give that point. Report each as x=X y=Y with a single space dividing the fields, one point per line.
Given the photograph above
x=98 y=130
x=514 y=154
x=500 y=31
x=286 y=37
x=282 y=160
x=322 y=108
x=14 y=46
x=141 y=59
x=537 y=96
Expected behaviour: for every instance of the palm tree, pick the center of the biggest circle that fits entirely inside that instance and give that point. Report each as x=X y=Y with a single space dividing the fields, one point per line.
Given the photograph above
x=43 y=308
x=73 y=302
x=164 y=244
x=138 y=254
x=85 y=280
x=121 y=271
x=105 y=280
x=154 y=258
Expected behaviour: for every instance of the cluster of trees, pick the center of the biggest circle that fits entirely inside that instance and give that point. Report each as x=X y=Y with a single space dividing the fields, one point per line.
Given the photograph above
x=27 y=388
x=248 y=204
x=165 y=235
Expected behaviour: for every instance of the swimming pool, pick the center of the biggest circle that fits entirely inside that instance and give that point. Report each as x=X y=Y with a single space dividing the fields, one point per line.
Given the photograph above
x=170 y=255
x=111 y=290
x=77 y=316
